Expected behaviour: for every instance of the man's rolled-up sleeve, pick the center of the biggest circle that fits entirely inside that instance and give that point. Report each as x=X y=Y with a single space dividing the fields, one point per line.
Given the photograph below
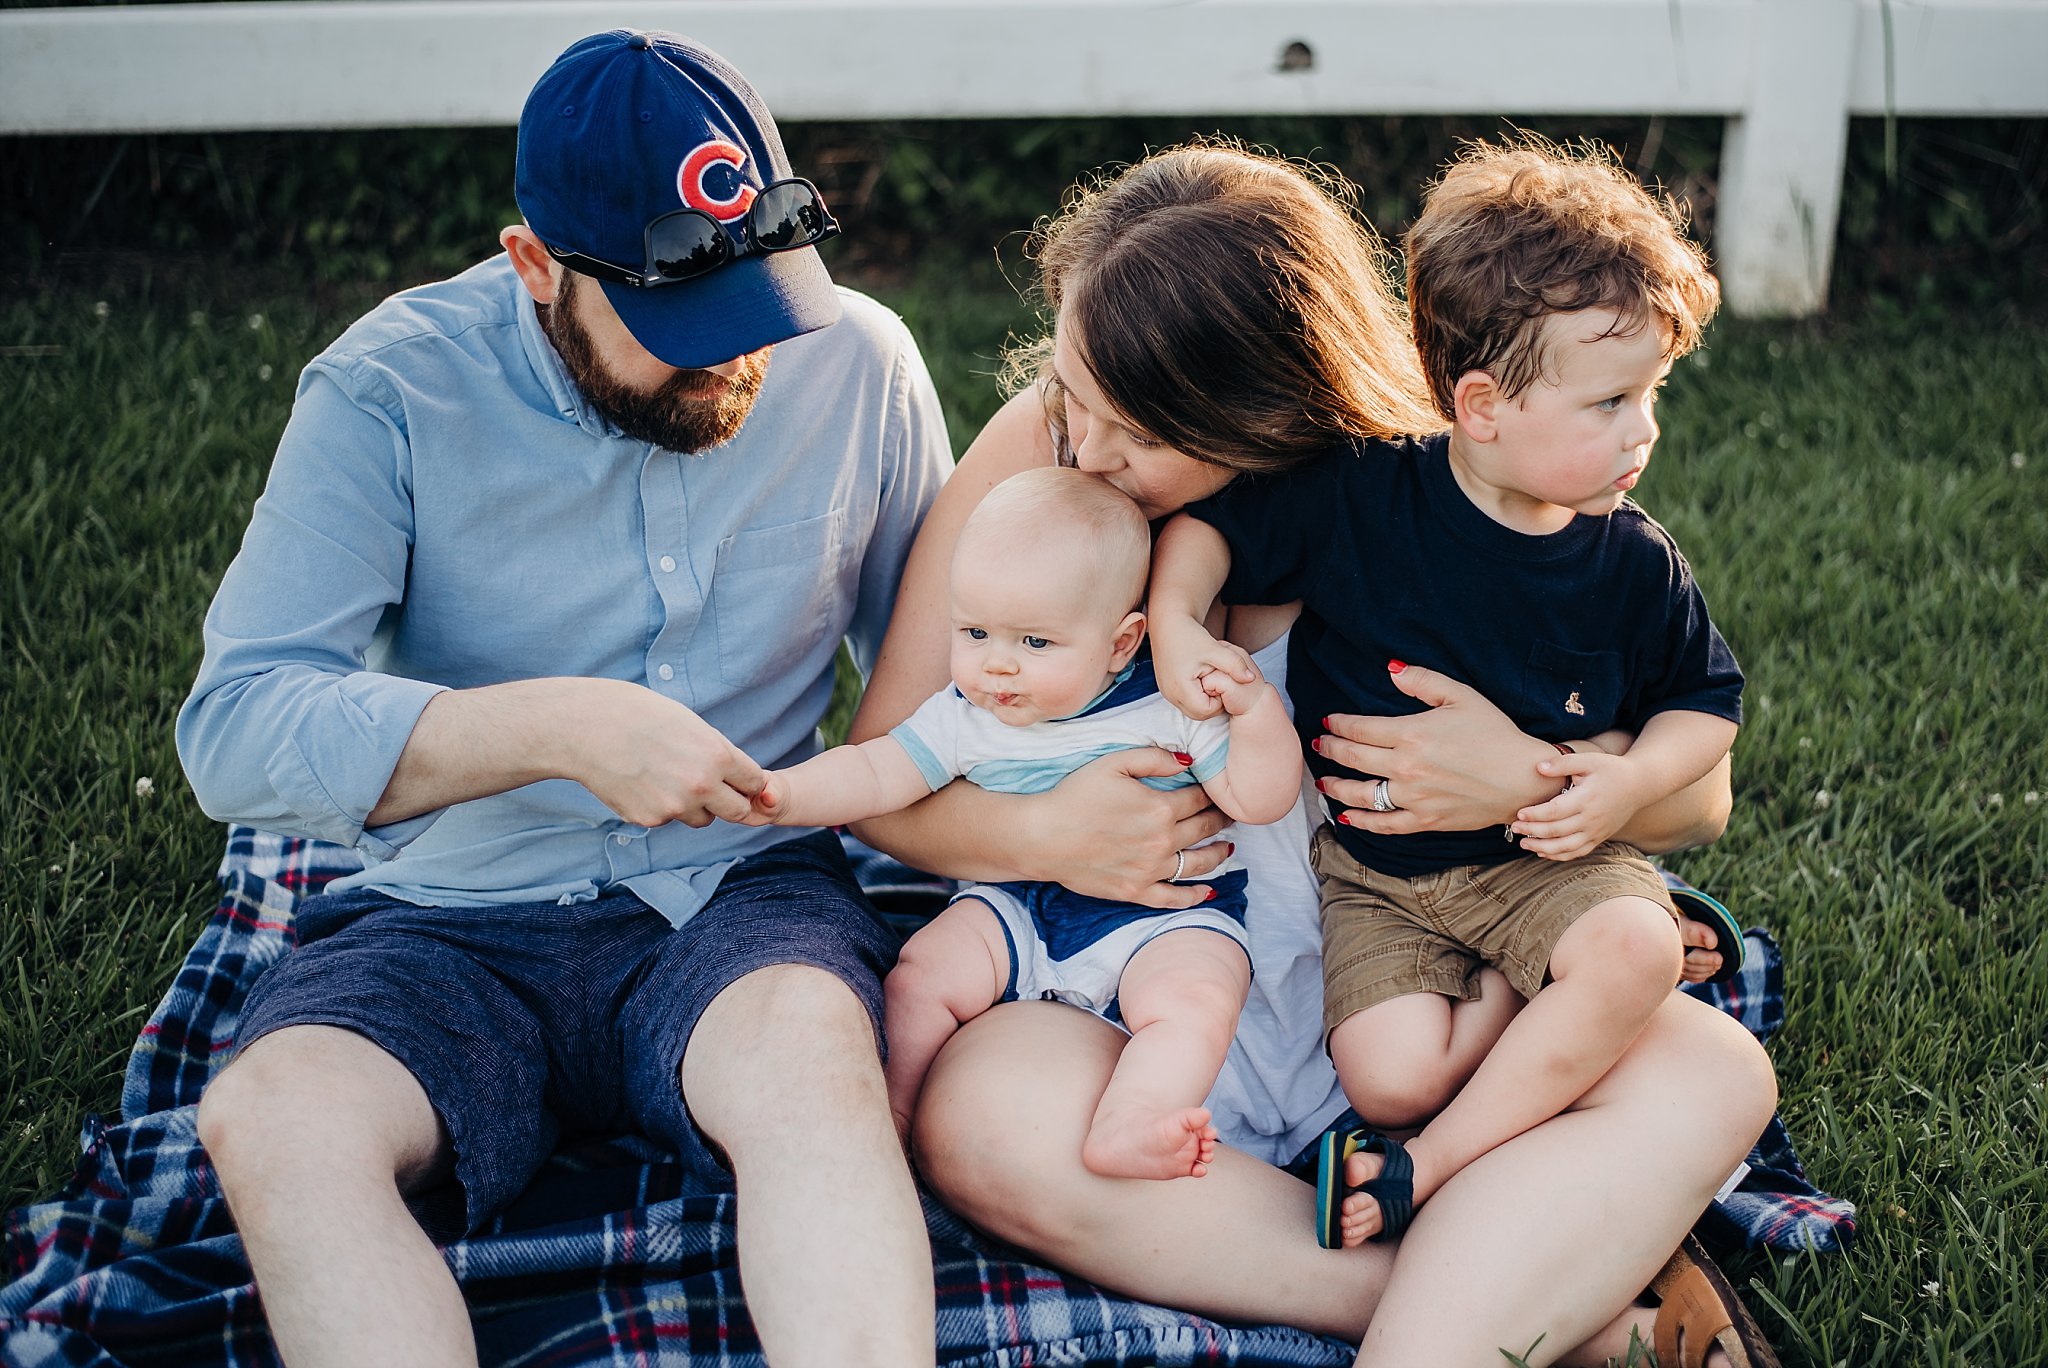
x=285 y=729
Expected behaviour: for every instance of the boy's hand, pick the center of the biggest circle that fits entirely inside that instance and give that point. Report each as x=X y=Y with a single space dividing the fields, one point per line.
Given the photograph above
x=1602 y=797
x=1188 y=661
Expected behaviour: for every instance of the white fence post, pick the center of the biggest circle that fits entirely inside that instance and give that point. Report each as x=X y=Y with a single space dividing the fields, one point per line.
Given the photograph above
x=1781 y=163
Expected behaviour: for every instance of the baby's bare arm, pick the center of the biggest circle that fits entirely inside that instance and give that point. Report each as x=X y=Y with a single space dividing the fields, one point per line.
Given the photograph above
x=1261 y=778
x=845 y=784
x=1189 y=566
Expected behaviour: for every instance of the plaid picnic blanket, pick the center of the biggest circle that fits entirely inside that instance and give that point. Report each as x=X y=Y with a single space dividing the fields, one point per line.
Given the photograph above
x=605 y=1259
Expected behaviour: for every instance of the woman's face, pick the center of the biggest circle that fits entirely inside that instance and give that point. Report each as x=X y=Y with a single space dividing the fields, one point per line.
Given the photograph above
x=1159 y=479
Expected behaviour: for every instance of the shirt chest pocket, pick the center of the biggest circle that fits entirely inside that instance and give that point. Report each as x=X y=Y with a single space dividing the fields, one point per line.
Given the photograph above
x=778 y=598
x=1567 y=693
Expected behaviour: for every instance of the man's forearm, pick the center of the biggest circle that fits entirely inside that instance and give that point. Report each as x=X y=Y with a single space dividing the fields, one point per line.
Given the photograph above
x=471 y=743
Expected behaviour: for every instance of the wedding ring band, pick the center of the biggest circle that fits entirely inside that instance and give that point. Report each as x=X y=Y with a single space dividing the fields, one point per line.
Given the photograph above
x=1381 y=800
x=1180 y=864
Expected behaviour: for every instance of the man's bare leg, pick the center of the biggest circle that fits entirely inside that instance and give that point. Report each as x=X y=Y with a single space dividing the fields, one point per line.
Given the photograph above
x=315 y=1134
x=782 y=1073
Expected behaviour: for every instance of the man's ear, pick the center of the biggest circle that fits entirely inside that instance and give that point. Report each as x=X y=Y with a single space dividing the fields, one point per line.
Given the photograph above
x=1475 y=403
x=540 y=273
x=1129 y=633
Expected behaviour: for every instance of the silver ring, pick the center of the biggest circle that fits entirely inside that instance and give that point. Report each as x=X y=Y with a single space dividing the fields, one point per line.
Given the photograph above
x=1180 y=863
x=1382 y=801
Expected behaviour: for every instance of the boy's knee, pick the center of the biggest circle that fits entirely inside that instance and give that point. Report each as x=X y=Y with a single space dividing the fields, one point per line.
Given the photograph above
x=1394 y=1101
x=1633 y=941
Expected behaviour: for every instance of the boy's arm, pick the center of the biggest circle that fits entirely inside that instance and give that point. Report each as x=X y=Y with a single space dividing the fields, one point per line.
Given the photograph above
x=1675 y=750
x=1261 y=776
x=845 y=784
x=1189 y=566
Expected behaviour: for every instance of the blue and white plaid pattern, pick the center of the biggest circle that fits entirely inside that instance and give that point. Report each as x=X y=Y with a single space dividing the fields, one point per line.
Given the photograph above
x=604 y=1260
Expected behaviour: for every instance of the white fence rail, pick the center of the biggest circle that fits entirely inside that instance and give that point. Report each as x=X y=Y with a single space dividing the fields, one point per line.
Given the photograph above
x=1786 y=74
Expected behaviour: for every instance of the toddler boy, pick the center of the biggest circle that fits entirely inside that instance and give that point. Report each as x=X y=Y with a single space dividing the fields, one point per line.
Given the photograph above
x=1551 y=296
x=1046 y=581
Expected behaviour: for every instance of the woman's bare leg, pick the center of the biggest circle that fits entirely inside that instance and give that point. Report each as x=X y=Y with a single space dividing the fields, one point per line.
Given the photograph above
x=1552 y=1234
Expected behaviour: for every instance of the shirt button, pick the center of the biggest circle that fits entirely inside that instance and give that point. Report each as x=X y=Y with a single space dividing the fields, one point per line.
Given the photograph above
x=667 y=672
x=668 y=564
x=622 y=839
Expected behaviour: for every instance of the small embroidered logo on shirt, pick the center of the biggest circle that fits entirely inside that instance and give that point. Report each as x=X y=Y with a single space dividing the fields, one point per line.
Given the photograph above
x=1573 y=706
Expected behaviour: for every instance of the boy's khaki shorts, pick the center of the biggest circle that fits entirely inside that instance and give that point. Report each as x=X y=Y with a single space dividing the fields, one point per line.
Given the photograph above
x=1384 y=937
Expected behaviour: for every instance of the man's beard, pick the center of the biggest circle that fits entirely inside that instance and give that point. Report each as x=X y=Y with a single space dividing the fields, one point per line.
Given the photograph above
x=692 y=410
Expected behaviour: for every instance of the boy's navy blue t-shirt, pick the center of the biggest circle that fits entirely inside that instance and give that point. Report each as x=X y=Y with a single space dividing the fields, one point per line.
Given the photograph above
x=1598 y=625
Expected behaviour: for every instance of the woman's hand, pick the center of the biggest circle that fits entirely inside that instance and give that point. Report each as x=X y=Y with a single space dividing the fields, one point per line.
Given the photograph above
x=1460 y=766
x=1102 y=832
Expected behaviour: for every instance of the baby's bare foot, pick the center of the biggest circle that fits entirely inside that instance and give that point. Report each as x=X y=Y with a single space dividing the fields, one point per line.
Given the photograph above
x=1137 y=1142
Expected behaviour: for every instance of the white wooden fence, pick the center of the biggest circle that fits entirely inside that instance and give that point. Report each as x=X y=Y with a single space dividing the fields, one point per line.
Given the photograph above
x=1786 y=74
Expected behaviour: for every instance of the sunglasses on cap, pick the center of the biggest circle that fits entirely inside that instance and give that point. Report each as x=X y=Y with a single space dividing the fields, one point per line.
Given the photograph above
x=688 y=243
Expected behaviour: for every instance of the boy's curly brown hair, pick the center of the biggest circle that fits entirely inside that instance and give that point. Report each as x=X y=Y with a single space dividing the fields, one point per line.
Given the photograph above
x=1515 y=232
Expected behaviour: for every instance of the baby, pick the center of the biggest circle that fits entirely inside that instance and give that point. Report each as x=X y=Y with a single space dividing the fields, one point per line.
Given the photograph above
x=1551 y=296
x=1046 y=582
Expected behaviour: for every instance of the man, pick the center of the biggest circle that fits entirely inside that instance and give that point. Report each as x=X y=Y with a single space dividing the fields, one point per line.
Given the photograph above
x=548 y=551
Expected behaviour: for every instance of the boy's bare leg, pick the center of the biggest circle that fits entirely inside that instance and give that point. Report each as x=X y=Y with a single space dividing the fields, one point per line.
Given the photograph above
x=952 y=970
x=1609 y=972
x=1401 y=1061
x=1180 y=996
x=315 y=1134
x=783 y=1074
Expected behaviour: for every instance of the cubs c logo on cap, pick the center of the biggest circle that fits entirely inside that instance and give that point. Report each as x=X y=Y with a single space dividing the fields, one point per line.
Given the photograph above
x=691 y=174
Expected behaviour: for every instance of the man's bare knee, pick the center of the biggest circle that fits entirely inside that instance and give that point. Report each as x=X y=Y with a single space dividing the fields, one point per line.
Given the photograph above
x=318 y=1096
x=788 y=1041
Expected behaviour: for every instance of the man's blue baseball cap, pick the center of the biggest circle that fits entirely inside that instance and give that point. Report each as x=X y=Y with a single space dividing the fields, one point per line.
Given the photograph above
x=628 y=126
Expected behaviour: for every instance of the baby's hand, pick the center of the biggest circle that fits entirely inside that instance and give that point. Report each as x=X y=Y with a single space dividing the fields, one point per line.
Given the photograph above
x=770 y=803
x=1238 y=697
x=1188 y=661
x=1600 y=801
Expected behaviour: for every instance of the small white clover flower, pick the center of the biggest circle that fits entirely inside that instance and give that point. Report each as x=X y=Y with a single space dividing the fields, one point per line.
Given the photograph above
x=2019 y=460
x=100 y=310
x=1822 y=800
x=195 y=318
x=1806 y=743
x=1930 y=1289
x=1995 y=800
x=145 y=786
x=2033 y=797
x=263 y=372
x=55 y=870
x=255 y=322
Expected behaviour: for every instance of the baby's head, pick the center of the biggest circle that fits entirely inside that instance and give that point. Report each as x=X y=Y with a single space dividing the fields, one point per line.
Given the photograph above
x=1538 y=274
x=1047 y=579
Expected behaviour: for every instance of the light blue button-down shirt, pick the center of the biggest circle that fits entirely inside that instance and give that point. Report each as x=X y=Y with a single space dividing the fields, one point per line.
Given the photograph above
x=445 y=511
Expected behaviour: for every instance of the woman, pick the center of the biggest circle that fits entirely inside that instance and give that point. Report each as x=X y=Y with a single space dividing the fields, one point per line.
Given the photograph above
x=1219 y=313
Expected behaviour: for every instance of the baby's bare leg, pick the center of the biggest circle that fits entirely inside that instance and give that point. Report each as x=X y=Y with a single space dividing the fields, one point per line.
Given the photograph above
x=952 y=970
x=1609 y=974
x=1401 y=1061
x=1180 y=996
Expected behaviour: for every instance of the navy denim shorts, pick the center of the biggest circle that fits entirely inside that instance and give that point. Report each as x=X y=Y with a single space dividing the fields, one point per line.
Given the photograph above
x=529 y=1022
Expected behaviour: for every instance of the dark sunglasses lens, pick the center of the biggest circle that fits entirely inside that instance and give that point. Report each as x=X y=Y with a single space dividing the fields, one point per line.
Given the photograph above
x=785 y=216
x=685 y=245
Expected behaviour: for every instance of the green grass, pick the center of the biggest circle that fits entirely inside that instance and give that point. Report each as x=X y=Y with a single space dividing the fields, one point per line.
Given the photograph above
x=1866 y=504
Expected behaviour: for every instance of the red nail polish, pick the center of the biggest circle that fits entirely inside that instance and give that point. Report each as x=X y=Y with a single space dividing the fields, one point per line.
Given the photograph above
x=1184 y=757
x=1345 y=818
x=1210 y=896
x=1316 y=745
x=1229 y=849
x=1319 y=787
x=1395 y=667
x=1326 y=724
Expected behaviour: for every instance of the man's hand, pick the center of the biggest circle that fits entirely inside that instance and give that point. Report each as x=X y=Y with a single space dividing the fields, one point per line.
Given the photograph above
x=1192 y=665
x=652 y=760
x=1603 y=795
